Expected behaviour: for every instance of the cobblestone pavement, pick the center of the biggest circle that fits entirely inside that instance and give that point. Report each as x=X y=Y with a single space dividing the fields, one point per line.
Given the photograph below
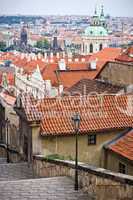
x=58 y=188
x=15 y=171
x=2 y=160
x=13 y=187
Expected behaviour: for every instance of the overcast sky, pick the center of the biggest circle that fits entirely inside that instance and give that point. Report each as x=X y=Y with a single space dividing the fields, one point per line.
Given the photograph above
x=62 y=7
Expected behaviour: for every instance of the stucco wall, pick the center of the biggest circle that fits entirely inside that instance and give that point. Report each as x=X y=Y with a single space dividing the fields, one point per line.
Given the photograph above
x=113 y=163
x=118 y=73
x=65 y=145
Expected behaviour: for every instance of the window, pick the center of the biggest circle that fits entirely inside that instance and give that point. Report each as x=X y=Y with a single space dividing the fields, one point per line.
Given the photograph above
x=91 y=139
x=122 y=168
x=91 y=48
x=100 y=47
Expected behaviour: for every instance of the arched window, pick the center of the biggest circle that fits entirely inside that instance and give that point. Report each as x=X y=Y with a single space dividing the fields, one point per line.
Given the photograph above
x=100 y=47
x=91 y=48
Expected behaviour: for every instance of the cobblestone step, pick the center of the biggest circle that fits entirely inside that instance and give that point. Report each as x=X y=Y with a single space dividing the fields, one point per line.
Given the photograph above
x=3 y=160
x=15 y=171
x=58 y=188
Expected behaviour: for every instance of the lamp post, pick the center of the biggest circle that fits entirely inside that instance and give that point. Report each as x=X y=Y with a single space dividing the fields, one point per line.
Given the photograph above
x=76 y=122
x=7 y=136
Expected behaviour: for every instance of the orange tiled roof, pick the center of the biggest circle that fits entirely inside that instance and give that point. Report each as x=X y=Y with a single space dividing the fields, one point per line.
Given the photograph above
x=30 y=107
x=69 y=78
x=124 y=146
x=126 y=56
x=97 y=113
x=86 y=86
x=7 y=98
x=106 y=54
x=77 y=69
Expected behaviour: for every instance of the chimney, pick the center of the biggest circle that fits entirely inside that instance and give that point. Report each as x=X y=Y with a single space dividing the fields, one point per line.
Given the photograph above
x=22 y=56
x=51 y=55
x=48 y=85
x=35 y=58
x=76 y=60
x=62 y=64
x=69 y=60
x=93 y=64
x=39 y=56
x=58 y=55
x=61 y=89
x=83 y=60
x=45 y=55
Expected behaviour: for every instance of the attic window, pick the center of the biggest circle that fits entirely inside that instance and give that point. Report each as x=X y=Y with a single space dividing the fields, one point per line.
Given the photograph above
x=91 y=32
x=101 y=32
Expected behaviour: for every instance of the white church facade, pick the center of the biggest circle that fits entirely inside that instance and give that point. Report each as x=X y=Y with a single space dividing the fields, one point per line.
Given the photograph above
x=95 y=36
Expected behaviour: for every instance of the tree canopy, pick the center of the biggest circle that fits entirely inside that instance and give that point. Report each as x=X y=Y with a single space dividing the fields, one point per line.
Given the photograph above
x=2 y=45
x=43 y=44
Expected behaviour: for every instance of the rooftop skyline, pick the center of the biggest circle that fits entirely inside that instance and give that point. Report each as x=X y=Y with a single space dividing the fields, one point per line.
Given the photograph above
x=61 y=7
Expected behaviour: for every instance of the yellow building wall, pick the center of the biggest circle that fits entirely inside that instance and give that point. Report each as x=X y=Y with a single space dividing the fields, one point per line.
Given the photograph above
x=65 y=146
x=113 y=163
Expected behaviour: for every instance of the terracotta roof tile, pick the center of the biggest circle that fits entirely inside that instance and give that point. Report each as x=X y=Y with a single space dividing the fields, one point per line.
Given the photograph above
x=77 y=69
x=97 y=113
x=126 y=56
x=86 y=86
x=124 y=146
x=7 y=98
x=29 y=105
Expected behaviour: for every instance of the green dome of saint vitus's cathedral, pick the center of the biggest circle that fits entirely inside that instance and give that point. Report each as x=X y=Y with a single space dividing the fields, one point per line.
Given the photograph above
x=98 y=26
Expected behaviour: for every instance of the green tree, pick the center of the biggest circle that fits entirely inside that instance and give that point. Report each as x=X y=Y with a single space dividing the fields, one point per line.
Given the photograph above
x=2 y=45
x=43 y=44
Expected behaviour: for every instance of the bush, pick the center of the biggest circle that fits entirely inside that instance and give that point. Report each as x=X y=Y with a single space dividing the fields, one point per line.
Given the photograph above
x=54 y=156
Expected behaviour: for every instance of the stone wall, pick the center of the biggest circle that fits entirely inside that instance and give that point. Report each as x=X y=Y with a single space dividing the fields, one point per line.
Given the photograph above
x=2 y=151
x=117 y=73
x=101 y=183
x=14 y=155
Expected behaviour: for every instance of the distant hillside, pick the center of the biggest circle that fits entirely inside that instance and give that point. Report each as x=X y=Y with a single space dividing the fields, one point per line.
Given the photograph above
x=17 y=19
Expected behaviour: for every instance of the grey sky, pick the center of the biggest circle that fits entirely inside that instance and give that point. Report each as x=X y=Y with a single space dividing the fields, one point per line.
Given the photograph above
x=62 y=7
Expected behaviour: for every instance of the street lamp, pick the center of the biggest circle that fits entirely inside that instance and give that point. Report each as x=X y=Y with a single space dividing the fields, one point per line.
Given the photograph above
x=7 y=136
x=76 y=122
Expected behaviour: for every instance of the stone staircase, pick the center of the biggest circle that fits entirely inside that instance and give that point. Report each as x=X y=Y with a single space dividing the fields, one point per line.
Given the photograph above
x=15 y=171
x=3 y=160
x=17 y=183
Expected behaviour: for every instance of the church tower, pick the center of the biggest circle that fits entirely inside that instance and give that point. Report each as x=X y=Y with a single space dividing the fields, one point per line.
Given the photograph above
x=95 y=18
x=95 y=36
x=102 y=18
x=23 y=36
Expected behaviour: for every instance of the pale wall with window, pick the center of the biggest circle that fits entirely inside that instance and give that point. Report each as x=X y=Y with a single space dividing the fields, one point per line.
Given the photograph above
x=88 y=153
x=114 y=161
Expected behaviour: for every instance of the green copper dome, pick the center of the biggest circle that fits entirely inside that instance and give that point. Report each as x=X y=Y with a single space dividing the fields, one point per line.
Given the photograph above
x=94 y=31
